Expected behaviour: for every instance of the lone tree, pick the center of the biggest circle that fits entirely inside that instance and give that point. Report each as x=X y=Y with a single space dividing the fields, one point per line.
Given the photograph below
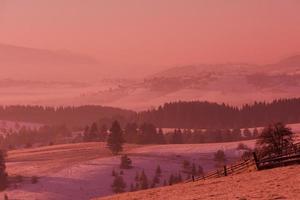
x=3 y=174
x=115 y=139
x=126 y=162
x=118 y=185
x=274 y=139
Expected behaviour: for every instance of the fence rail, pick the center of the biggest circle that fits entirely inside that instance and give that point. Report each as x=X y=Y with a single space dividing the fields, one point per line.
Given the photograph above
x=226 y=170
x=289 y=156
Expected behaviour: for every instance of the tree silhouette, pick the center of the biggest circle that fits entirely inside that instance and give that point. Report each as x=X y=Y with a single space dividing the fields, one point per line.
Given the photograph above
x=118 y=185
x=274 y=139
x=144 y=181
x=220 y=158
x=115 y=139
x=158 y=171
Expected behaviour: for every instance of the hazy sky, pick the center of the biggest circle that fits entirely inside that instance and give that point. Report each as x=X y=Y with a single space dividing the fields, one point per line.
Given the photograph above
x=146 y=33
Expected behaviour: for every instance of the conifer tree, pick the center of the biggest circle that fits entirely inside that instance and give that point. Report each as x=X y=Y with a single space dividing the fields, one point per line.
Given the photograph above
x=118 y=185
x=171 y=179
x=158 y=171
x=115 y=139
x=113 y=173
x=144 y=181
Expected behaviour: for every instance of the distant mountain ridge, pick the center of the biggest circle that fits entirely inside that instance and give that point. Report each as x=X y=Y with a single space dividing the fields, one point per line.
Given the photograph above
x=52 y=74
x=234 y=84
x=286 y=65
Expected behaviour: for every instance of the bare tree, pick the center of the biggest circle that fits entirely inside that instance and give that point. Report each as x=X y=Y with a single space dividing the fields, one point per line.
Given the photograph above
x=274 y=139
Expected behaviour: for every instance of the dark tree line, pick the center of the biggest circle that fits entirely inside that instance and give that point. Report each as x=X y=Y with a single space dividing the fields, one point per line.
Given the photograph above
x=191 y=115
x=208 y=115
x=27 y=137
x=70 y=116
x=148 y=133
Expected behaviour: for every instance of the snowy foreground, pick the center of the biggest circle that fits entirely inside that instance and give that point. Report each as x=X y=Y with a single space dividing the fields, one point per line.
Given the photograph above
x=82 y=171
x=278 y=183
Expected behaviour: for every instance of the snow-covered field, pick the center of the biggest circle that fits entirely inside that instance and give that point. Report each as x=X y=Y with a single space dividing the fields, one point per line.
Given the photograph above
x=83 y=171
x=278 y=183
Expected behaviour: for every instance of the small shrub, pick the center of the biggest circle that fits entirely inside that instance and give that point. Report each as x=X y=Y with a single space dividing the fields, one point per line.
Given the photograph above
x=158 y=171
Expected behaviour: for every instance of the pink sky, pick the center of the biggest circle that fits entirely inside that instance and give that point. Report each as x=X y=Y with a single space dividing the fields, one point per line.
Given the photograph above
x=161 y=33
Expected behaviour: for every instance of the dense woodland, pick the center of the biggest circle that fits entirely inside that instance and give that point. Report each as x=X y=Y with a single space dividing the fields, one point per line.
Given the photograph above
x=148 y=133
x=212 y=115
x=70 y=116
x=187 y=115
x=193 y=122
x=28 y=137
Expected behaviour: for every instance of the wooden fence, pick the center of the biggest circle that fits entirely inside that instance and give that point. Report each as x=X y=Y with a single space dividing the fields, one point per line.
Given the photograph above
x=226 y=170
x=289 y=156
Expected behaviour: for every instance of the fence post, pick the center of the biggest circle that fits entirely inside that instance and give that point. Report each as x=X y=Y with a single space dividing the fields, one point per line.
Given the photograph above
x=225 y=170
x=256 y=160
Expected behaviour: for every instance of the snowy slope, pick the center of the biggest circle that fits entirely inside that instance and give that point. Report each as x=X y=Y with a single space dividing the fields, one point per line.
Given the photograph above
x=92 y=178
x=278 y=183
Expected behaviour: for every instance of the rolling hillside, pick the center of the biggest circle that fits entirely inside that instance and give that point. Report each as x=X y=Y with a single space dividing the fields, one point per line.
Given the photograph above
x=278 y=183
x=84 y=171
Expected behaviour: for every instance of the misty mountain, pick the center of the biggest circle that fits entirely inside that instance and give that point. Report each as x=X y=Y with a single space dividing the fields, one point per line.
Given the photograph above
x=235 y=84
x=39 y=64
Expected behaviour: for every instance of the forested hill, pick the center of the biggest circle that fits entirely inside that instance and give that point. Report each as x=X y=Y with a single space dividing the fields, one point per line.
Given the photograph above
x=194 y=114
x=212 y=115
x=70 y=116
